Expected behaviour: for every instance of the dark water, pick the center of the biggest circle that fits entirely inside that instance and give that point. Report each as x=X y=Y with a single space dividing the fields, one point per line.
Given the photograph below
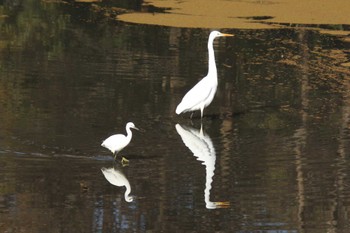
x=273 y=155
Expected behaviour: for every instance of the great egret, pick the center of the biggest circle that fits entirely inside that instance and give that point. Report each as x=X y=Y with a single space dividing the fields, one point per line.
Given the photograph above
x=202 y=94
x=117 y=142
x=202 y=148
x=117 y=178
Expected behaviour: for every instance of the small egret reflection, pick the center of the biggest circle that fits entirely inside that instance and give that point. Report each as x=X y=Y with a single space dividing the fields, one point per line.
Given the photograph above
x=202 y=94
x=117 y=142
x=202 y=148
x=115 y=176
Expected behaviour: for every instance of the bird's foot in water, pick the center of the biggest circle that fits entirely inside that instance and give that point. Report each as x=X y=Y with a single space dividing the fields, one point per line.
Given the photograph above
x=124 y=162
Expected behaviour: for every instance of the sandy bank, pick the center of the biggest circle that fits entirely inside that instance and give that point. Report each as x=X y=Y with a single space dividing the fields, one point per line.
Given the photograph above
x=241 y=14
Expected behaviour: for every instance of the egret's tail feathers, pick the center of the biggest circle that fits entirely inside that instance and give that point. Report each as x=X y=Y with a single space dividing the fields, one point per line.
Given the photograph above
x=179 y=109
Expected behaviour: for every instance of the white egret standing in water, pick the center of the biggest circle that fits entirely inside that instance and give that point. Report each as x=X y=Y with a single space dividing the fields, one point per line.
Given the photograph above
x=202 y=94
x=117 y=142
x=117 y=178
x=202 y=148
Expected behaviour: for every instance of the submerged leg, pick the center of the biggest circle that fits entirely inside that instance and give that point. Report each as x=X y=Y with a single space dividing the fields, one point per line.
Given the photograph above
x=201 y=130
x=202 y=110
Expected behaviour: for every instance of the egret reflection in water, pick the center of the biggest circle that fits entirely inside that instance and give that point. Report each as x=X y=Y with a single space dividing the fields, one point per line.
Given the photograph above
x=115 y=176
x=202 y=148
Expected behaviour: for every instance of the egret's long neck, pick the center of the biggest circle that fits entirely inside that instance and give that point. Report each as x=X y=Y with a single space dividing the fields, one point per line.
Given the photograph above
x=128 y=133
x=210 y=169
x=127 y=192
x=212 y=66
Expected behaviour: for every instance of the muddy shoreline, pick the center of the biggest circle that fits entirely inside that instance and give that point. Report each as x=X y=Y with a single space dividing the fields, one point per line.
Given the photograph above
x=243 y=14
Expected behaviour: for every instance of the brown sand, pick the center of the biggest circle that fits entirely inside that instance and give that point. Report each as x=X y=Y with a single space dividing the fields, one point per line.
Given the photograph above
x=237 y=14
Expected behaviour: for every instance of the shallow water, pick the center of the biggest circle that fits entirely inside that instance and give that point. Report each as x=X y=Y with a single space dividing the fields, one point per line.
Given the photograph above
x=274 y=151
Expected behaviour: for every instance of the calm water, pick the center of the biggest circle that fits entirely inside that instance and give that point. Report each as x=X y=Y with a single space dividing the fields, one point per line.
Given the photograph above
x=273 y=155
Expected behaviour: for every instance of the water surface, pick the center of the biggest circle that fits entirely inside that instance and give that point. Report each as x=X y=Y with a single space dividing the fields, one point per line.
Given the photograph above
x=274 y=146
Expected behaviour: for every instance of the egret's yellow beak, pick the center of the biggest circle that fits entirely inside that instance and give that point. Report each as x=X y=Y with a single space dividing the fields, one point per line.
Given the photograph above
x=226 y=34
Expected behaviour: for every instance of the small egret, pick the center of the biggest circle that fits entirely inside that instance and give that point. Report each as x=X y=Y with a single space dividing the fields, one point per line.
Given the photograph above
x=202 y=94
x=117 y=142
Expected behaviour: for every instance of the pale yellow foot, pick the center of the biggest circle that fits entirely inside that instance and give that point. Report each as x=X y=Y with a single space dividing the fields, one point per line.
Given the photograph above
x=124 y=162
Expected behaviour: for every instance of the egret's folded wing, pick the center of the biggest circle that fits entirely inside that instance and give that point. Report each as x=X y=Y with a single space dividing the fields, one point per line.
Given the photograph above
x=194 y=97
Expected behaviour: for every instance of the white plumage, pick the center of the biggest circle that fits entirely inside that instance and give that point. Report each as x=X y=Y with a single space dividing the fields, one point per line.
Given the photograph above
x=202 y=94
x=117 y=142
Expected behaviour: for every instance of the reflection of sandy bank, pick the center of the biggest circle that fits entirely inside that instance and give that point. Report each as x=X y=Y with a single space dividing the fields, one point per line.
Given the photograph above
x=235 y=14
